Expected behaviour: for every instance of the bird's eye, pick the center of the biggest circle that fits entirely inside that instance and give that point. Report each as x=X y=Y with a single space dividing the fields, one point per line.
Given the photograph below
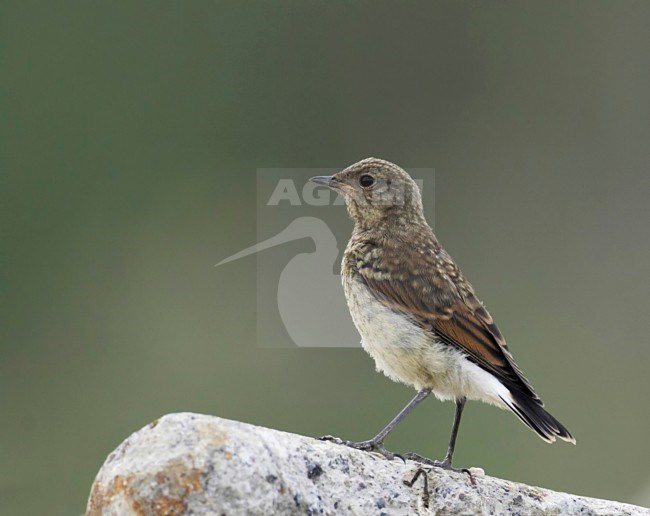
x=366 y=181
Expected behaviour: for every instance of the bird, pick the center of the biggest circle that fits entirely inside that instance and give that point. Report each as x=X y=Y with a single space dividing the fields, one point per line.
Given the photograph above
x=418 y=316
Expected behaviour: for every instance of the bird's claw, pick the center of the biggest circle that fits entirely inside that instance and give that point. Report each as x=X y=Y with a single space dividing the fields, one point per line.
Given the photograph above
x=371 y=445
x=332 y=439
x=399 y=456
x=444 y=464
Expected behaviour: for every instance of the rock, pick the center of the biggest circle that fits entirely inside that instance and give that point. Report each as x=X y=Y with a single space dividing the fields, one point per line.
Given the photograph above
x=197 y=464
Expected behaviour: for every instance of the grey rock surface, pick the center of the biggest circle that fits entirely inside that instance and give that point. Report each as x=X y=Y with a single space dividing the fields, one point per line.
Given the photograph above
x=204 y=465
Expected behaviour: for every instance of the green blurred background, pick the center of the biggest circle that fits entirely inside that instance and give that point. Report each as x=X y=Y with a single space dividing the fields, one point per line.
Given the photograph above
x=130 y=135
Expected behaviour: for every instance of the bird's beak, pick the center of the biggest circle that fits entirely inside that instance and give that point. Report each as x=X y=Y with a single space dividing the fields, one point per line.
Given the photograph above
x=328 y=181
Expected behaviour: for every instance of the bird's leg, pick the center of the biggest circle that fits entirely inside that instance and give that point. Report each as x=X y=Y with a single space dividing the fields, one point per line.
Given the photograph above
x=446 y=463
x=376 y=444
x=460 y=405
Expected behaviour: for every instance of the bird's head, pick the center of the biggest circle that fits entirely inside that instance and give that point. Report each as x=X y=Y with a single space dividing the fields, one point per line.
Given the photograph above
x=376 y=192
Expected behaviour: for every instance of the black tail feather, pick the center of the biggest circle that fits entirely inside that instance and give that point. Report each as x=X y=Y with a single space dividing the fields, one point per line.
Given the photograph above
x=532 y=413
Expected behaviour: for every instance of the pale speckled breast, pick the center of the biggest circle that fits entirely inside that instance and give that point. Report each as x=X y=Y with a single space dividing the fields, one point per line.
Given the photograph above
x=406 y=353
x=400 y=348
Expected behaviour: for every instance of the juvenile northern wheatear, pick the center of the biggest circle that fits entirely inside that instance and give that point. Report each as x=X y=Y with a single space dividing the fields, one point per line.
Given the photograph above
x=417 y=314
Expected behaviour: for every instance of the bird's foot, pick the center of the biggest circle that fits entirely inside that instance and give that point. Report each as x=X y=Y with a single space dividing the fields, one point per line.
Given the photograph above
x=372 y=445
x=444 y=464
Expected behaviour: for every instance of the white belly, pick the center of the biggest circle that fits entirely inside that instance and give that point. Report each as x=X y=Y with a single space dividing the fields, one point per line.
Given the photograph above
x=406 y=353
